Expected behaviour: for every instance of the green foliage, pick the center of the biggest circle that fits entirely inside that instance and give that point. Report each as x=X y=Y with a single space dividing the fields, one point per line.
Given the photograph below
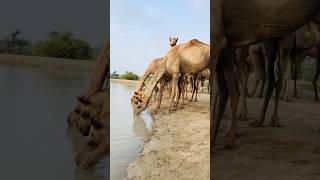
x=129 y=76
x=13 y=44
x=114 y=75
x=62 y=45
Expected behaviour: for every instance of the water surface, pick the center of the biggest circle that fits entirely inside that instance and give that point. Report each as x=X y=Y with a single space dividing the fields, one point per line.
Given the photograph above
x=36 y=142
x=127 y=132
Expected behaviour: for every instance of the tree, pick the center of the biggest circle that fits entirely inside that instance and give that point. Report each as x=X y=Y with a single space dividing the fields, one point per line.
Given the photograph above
x=62 y=45
x=114 y=75
x=129 y=76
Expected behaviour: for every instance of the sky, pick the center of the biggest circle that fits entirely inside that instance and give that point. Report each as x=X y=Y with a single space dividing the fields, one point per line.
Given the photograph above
x=87 y=19
x=140 y=29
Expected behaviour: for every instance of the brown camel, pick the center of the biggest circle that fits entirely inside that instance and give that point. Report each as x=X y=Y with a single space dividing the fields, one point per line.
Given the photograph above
x=91 y=114
x=233 y=27
x=191 y=57
x=303 y=49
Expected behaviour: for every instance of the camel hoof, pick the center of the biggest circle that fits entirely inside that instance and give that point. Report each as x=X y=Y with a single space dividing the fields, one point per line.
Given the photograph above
x=257 y=124
x=275 y=121
x=287 y=99
x=272 y=124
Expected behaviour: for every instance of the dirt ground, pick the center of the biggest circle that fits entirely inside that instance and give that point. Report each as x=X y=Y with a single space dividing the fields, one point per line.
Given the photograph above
x=289 y=152
x=179 y=147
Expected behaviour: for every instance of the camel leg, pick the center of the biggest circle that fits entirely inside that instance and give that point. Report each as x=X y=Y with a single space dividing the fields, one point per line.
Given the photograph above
x=142 y=80
x=316 y=76
x=290 y=76
x=197 y=88
x=263 y=77
x=257 y=70
x=271 y=47
x=220 y=101
x=162 y=85
x=217 y=45
x=234 y=96
x=275 y=117
x=182 y=91
x=194 y=79
x=174 y=87
x=180 y=87
x=242 y=54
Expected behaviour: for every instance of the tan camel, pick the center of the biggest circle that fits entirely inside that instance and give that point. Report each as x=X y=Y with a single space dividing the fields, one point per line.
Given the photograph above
x=91 y=114
x=191 y=57
x=154 y=65
x=233 y=27
x=195 y=82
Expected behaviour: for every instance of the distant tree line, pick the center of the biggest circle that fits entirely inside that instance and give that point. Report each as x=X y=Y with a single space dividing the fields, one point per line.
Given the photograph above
x=129 y=75
x=58 y=44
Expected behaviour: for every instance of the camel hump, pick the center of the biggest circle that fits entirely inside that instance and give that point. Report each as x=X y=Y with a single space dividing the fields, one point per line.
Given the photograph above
x=195 y=41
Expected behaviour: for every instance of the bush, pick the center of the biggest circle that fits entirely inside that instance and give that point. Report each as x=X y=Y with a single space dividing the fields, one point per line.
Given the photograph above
x=129 y=76
x=62 y=45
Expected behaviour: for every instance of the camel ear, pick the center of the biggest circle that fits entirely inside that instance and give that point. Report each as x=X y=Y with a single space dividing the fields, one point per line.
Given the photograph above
x=177 y=39
x=83 y=100
x=169 y=38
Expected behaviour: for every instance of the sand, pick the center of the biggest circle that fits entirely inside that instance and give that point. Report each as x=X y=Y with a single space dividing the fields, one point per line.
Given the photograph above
x=289 y=152
x=124 y=81
x=179 y=146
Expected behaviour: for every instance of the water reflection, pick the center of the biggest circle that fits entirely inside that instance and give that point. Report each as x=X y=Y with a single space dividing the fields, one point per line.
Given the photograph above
x=140 y=128
x=36 y=140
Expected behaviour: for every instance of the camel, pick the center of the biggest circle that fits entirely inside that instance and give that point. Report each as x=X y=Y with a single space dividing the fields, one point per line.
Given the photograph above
x=303 y=49
x=191 y=58
x=154 y=65
x=196 y=81
x=233 y=27
x=292 y=68
x=91 y=114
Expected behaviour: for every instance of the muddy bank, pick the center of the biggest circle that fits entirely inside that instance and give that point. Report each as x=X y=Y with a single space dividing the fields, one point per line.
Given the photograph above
x=289 y=152
x=47 y=62
x=179 y=146
x=124 y=81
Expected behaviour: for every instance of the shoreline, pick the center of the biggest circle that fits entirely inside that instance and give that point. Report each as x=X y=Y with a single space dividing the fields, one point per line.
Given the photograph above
x=46 y=62
x=179 y=145
x=124 y=81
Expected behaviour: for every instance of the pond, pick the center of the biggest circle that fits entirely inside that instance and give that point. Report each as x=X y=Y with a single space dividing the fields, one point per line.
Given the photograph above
x=36 y=142
x=127 y=132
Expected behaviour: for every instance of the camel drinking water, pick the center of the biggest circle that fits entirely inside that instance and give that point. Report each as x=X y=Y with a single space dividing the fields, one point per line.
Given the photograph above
x=191 y=57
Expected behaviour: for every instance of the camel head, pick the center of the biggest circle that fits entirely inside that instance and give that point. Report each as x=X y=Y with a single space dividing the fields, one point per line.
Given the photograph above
x=173 y=41
x=75 y=115
x=138 y=102
x=84 y=114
